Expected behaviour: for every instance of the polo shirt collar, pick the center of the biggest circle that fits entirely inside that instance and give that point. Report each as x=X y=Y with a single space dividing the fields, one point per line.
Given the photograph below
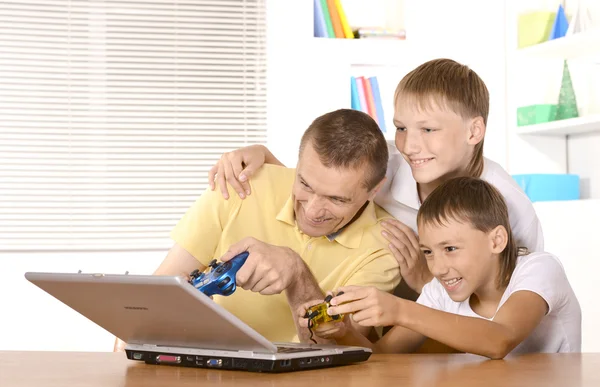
x=286 y=214
x=349 y=236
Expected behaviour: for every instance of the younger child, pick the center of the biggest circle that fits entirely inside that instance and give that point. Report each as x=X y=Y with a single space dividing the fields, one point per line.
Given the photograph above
x=484 y=299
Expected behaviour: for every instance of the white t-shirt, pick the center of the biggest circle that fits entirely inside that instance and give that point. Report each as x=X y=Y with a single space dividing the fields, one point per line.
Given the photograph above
x=399 y=197
x=543 y=274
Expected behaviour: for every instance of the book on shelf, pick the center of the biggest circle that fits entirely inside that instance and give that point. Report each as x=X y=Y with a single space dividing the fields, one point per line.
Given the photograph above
x=320 y=26
x=365 y=96
x=369 y=98
x=355 y=100
x=378 y=104
x=360 y=87
x=335 y=20
x=348 y=34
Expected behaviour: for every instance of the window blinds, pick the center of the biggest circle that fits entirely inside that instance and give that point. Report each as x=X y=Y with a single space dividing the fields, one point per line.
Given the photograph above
x=112 y=113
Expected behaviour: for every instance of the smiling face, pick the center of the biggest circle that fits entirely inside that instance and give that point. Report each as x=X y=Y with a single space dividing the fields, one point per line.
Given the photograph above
x=462 y=258
x=327 y=198
x=437 y=143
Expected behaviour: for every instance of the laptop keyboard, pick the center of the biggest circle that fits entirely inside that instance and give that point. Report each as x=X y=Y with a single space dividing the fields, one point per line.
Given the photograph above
x=295 y=349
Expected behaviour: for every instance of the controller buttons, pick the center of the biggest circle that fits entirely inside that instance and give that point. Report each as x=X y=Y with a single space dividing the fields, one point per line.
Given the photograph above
x=224 y=282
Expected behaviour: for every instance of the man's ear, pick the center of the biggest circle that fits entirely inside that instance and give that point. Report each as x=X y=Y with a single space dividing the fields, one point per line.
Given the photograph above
x=498 y=239
x=376 y=189
x=476 y=131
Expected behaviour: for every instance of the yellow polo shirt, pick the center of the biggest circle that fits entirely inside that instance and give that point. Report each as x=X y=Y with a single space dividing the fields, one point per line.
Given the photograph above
x=358 y=255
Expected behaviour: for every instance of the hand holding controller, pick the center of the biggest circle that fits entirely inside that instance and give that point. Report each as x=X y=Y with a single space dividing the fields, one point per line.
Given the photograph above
x=218 y=278
x=317 y=314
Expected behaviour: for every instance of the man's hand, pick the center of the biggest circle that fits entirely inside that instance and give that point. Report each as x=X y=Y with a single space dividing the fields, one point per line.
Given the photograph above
x=405 y=247
x=369 y=306
x=237 y=167
x=268 y=269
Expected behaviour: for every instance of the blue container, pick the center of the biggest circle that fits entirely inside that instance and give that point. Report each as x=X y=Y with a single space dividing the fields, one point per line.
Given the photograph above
x=548 y=187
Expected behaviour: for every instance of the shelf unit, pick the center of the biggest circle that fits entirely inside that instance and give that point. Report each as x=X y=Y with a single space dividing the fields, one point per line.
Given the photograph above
x=579 y=125
x=533 y=76
x=569 y=47
x=579 y=46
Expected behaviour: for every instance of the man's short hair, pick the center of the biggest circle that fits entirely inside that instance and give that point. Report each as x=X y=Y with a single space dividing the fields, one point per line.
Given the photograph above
x=348 y=138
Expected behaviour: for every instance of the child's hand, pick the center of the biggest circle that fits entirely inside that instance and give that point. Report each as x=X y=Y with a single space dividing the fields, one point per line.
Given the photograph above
x=404 y=245
x=370 y=306
x=330 y=330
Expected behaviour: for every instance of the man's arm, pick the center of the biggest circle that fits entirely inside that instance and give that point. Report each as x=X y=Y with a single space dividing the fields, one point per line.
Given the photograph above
x=304 y=288
x=178 y=262
x=307 y=288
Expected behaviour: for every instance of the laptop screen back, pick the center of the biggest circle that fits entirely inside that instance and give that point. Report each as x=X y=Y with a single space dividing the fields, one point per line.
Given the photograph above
x=158 y=310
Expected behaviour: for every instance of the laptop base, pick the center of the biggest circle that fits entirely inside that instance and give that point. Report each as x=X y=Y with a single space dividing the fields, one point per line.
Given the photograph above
x=247 y=363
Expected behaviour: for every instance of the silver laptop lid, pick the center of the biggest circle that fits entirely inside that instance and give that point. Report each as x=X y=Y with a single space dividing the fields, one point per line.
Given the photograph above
x=147 y=309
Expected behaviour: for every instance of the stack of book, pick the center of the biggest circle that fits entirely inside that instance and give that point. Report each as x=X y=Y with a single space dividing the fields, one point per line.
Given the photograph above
x=366 y=98
x=330 y=20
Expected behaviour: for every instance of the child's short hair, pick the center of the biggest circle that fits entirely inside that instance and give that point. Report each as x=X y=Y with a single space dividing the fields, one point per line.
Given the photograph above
x=470 y=199
x=449 y=84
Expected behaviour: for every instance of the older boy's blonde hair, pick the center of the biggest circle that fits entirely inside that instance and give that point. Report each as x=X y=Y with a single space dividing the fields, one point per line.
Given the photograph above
x=449 y=84
x=474 y=201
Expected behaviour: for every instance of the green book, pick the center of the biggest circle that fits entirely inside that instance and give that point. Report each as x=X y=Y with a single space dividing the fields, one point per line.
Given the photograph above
x=327 y=17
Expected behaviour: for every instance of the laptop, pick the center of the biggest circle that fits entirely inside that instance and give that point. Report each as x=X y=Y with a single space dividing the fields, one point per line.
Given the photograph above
x=165 y=320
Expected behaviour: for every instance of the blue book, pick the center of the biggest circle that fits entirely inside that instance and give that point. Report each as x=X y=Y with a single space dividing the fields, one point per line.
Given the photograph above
x=355 y=100
x=320 y=28
x=561 y=24
x=378 y=105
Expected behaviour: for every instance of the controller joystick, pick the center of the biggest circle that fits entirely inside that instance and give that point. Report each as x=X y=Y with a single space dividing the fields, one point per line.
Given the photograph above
x=218 y=278
x=213 y=263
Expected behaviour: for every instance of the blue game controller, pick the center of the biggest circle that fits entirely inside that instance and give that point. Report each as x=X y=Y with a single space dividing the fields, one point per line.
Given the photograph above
x=218 y=278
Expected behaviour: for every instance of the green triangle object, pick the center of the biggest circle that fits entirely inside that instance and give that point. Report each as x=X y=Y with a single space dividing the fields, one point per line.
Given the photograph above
x=567 y=103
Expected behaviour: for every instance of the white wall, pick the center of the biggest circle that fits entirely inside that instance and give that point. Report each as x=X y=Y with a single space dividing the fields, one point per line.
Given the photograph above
x=570 y=230
x=583 y=155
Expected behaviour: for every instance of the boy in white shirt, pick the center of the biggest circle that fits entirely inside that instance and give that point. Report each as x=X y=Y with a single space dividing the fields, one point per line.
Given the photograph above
x=440 y=111
x=485 y=299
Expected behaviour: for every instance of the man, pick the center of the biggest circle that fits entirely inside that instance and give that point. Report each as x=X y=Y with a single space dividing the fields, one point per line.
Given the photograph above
x=307 y=230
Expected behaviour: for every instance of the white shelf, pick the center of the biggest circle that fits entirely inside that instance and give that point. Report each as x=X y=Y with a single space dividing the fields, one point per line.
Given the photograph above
x=574 y=46
x=585 y=124
x=367 y=52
